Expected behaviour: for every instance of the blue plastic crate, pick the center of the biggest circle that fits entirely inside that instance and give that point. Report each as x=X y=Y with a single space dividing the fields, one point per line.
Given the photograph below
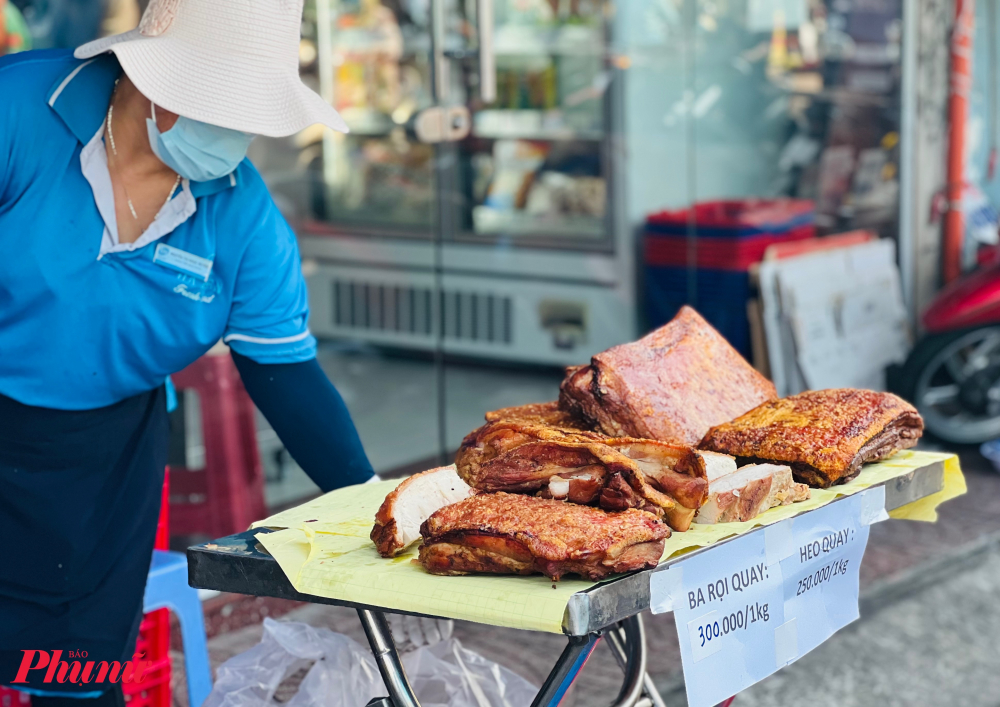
x=720 y=296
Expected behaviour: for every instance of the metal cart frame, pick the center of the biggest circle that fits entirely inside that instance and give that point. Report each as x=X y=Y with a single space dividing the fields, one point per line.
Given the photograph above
x=239 y=564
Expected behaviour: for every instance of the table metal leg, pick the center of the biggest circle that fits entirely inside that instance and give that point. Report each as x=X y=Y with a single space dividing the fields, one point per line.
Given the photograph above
x=566 y=669
x=616 y=640
x=629 y=648
x=634 y=649
x=389 y=665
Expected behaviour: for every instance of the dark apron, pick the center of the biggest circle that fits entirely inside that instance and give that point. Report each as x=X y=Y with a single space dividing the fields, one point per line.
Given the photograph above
x=79 y=502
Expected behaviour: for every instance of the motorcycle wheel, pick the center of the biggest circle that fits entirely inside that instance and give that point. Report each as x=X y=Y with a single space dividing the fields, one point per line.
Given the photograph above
x=954 y=381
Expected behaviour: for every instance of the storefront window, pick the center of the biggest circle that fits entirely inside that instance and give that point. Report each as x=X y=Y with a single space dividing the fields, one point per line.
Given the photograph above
x=456 y=276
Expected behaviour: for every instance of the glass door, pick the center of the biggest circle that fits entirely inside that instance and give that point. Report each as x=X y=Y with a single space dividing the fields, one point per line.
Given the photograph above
x=364 y=205
x=534 y=170
x=753 y=121
x=370 y=60
x=801 y=99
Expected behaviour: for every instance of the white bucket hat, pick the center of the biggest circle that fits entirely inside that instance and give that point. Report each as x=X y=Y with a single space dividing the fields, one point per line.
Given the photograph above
x=231 y=63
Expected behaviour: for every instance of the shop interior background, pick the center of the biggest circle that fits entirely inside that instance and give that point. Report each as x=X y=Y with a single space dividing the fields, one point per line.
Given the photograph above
x=453 y=277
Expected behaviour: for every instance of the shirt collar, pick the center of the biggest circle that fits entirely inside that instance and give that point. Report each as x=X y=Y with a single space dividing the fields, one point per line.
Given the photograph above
x=80 y=97
x=216 y=185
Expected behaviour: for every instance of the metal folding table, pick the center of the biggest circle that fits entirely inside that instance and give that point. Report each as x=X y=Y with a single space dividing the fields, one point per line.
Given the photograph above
x=240 y=564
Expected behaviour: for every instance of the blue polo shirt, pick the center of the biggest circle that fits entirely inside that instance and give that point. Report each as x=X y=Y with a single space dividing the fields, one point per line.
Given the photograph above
x=85 y=321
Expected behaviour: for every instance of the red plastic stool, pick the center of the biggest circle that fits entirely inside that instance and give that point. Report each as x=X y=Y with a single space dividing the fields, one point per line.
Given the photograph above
x=228 y=494
x=154 y=632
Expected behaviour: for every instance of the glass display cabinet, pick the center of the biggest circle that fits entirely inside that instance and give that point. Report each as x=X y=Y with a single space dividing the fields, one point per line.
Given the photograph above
x=513 y=218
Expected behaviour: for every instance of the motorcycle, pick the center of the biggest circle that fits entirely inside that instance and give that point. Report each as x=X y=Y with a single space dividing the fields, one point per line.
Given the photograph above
x=952 y=375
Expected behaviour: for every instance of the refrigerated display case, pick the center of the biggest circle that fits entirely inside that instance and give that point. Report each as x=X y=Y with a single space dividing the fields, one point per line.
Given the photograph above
x=489 y=203
x=514 y=222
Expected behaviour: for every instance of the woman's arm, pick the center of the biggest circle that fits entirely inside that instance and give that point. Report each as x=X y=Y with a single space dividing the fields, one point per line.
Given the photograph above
x=310 y=418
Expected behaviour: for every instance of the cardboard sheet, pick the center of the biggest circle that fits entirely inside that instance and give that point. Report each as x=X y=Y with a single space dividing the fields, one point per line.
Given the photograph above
x=324 y=550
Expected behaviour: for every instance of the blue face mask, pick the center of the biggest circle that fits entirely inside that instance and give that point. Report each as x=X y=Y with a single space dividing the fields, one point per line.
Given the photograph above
x=198 y=151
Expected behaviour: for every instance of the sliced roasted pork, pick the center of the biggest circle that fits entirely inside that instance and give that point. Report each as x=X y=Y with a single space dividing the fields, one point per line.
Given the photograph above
x=823 y=435
x=541 y=449
x=749 y=491
x=398 y=520
x=672 y=385
x=515 y=534
x=708 y=465
x=508 y=429
x=584 y=467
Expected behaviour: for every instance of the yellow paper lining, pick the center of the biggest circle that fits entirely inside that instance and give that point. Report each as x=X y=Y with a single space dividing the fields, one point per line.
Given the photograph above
x=325 y=551
x=925 y=509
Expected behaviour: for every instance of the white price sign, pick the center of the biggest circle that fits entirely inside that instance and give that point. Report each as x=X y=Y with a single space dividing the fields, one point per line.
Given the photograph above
x=757 y=603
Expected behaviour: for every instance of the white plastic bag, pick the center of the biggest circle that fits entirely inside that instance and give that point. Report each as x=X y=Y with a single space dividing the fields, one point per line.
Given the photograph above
x=344 y=674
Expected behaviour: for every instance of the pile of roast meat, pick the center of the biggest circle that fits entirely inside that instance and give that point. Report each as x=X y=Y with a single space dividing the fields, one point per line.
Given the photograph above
x=674 y=429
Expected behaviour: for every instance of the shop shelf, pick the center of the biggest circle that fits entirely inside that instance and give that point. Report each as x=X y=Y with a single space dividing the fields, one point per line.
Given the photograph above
x=489 y=221
x=528 y=124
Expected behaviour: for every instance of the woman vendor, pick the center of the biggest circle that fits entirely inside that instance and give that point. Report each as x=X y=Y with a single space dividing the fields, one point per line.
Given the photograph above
x=135 y=235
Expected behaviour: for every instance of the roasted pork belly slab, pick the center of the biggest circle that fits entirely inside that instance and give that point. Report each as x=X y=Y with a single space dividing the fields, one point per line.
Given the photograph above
x=521 y=453
x=398 y=520
x=515 y=534
x=666 y=467
x=823 y=435
x=509 y=428
x=672 y=385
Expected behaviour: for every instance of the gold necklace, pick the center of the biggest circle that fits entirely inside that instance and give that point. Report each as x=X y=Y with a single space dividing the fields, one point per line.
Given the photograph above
x=114 y=151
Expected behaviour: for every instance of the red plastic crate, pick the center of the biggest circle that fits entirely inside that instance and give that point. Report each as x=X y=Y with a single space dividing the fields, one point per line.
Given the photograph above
x=228 y=494
x=735 y=218
x=154 y=644
x=736 y=254
x=154 y=632
x=13 y=698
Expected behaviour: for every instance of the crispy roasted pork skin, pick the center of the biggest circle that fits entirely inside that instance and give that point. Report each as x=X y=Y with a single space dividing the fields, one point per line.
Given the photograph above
x=520 y=455
x=672 y=385
x=544 y=414
x=504 y=533
x=508 y=429
x=823 y=435
x=398 y=520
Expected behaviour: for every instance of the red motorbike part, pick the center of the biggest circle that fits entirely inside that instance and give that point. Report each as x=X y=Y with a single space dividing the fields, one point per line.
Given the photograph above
x=958 y=109
x=972 y=301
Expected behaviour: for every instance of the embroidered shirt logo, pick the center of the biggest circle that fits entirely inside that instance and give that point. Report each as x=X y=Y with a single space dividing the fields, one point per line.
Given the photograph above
x=197 y=290
x=182 y=290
